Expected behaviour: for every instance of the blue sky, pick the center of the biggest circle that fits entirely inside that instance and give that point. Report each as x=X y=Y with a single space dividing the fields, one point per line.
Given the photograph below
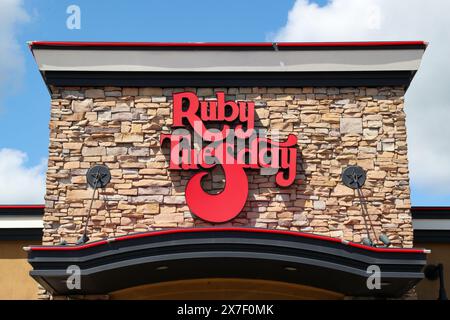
x=28 y=106
x=24 y=106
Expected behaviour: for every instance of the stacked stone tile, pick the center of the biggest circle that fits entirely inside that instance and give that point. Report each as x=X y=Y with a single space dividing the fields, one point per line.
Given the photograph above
x=336 y=127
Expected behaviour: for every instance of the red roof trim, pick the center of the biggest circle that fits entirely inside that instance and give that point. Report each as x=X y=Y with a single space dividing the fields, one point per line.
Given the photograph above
x=23 y=206
x=225 y=44
x=430 y=208
x=191 y=230
x=353 y=44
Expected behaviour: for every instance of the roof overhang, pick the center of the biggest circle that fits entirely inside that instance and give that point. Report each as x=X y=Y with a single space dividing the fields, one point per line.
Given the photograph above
x=21 y=222
x=431 y=224
x=248 y=253
x=228 y=64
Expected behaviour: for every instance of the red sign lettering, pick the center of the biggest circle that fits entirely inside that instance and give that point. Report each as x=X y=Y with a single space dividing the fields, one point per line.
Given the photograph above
x=235 y=147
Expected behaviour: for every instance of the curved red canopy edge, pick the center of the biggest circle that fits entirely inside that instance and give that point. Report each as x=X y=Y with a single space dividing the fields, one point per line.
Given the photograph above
x=193 y=230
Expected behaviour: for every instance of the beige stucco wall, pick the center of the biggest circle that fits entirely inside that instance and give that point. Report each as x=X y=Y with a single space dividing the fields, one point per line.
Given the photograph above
x=15 y=281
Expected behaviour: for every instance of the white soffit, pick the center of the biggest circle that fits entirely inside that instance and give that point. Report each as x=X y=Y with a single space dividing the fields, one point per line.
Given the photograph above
x=21 y=222
x=228 y=61
x=431 y=224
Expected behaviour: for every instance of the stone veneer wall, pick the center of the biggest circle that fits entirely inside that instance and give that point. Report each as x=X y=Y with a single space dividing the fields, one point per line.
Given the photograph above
x=336 y=127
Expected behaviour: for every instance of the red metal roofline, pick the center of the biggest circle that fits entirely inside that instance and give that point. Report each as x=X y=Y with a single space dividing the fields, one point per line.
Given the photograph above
x=254 y=230
x=430 y=208
x=75 y=44
x=22 y=206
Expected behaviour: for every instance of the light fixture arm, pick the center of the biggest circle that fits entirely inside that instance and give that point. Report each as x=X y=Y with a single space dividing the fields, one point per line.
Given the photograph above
x=354 y=177
x=365 y=212
x=85 y=238
x=97 y=177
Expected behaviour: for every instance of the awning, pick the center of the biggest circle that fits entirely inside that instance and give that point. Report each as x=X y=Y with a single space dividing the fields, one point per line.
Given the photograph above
x=21 y=222
x=431 y=224
x=248 y=253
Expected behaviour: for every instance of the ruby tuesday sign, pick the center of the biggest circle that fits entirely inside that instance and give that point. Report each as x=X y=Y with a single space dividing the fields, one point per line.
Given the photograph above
x=236 y=146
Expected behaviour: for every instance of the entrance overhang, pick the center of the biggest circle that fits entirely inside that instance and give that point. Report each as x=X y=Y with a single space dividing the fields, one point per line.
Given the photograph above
x=237 y=253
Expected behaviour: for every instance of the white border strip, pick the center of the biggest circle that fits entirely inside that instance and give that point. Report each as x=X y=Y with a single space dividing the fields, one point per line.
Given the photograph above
x=431 y=224
x=21 y=222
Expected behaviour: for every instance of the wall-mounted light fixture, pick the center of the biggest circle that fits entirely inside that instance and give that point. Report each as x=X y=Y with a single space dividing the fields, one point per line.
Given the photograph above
x=436 y=271
x=97 y=177
x=354 y=177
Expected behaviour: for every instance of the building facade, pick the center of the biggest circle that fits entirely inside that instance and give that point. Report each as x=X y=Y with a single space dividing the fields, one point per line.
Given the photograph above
x=159 y=228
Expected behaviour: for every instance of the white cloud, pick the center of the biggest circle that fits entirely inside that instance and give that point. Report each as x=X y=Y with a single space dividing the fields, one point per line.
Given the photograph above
x=428 y=98
x=11 y=57
x=20 y=184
